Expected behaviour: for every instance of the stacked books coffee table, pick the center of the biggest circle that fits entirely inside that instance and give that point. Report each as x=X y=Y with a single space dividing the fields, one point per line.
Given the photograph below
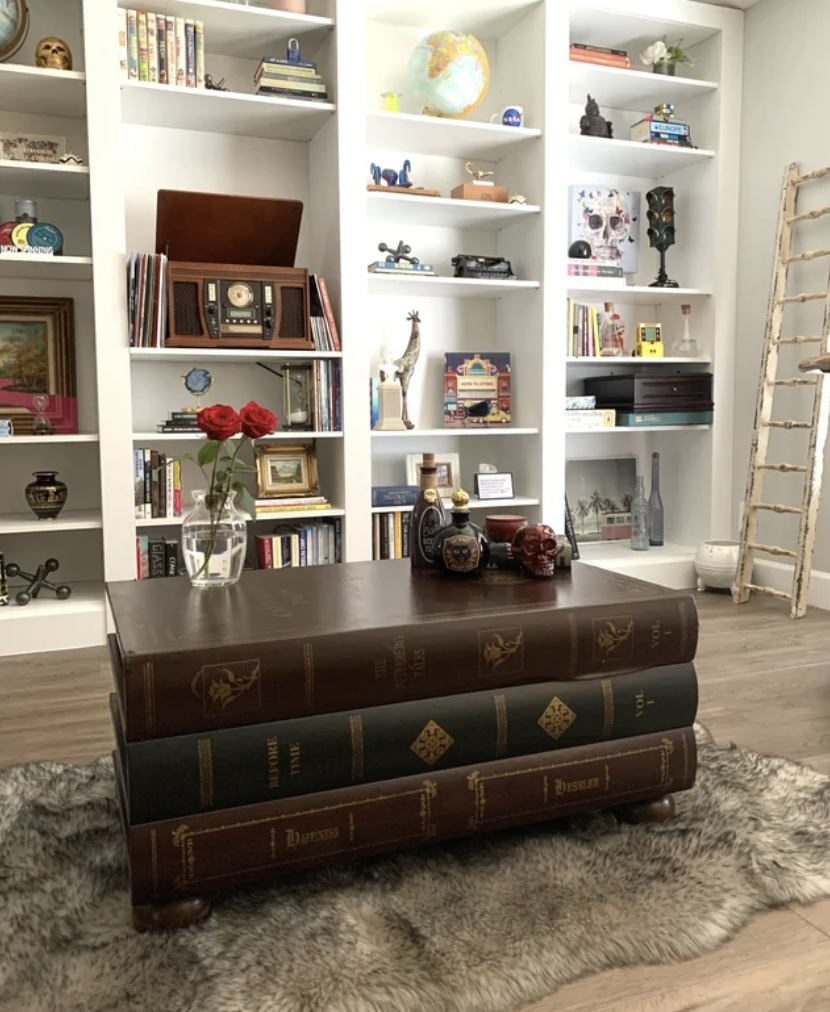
x=313 y=716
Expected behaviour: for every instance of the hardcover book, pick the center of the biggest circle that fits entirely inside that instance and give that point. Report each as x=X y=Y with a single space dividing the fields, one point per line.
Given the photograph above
x=476 y=389
x=308 y=641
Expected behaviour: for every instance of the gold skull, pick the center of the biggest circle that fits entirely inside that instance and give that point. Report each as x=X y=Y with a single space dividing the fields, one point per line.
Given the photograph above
x=53 y=53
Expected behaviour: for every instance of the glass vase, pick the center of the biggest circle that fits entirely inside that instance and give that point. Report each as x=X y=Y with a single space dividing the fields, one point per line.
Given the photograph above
x=214 y=540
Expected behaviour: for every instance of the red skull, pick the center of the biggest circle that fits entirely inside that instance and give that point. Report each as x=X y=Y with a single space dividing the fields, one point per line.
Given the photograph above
x=536 y=549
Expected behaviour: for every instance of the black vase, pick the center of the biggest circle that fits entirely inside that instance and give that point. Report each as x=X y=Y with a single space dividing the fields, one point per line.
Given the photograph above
x=46 y=495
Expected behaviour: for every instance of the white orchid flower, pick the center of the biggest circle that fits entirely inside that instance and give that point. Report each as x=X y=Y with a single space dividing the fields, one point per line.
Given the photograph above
x=656 y=53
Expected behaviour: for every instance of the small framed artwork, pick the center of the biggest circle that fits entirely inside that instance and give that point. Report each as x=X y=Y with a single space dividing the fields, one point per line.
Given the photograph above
x=286 y=472
x=599 y=491
x=494 y=486
x=37 y=365
x=449 y=472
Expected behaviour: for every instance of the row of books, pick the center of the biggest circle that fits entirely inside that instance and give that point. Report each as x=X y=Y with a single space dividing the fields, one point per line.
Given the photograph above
x=155 y=557
x=293 y=546
x=599 y=55
x=289 y=79
x=161 y=49
x=391 y=535
x=158 y=485
x=147 y=299
x=323 y=325
x=259 y=747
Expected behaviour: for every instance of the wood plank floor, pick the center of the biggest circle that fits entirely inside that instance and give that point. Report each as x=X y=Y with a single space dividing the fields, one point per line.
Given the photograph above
x=765 y=683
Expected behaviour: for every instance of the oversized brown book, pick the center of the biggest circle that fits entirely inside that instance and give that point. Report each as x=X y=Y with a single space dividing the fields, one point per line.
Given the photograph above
x=195 y=856
x=294 y=643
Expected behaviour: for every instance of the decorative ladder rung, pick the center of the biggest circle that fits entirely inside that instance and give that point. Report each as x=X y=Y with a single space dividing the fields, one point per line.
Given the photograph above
x=789 y=425
x=813 y=254
x=799 y=340
x=819 y=212
x=773 y=508
x=768 y=591
x=816 y=174
x=784 y=468
x=794 y=383
x=803 y=297
x=773 y=550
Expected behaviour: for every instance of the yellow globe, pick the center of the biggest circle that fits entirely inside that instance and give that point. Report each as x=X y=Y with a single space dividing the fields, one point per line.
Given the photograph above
x=450 y=72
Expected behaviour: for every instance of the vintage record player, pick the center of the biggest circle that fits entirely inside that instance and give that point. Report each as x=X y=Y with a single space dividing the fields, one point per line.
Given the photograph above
x=231 y=279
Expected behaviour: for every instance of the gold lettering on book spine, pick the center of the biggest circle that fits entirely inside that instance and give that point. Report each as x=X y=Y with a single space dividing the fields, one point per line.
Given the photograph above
x=308 y=667
x=204 y=751
x=501 y=726
x=149 y=697
x=608 y=708
x=356 y=731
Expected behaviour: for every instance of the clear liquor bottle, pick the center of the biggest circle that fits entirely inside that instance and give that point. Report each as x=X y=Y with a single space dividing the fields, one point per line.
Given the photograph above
x=655 y=505
x=639 y=517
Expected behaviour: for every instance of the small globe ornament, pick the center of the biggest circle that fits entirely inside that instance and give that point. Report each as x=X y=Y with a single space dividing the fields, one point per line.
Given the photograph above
x=450 y=72
x=196 y=382
x=14 y=27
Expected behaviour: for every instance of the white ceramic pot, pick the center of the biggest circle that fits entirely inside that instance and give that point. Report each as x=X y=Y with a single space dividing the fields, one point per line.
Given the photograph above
x=716 y=564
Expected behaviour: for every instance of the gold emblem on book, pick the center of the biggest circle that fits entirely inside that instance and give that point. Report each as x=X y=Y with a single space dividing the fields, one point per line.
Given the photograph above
x=614 y=636
x=502 y=651
x=431 y=743
x=233 y=686
x=557 y=718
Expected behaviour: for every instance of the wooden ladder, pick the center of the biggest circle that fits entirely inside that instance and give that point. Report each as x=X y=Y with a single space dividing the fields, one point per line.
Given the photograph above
x=813 y=467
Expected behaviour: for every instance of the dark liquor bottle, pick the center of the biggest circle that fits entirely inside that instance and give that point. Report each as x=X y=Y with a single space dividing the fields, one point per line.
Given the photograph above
x=655 y=505
x=429 y=516
x=461 y=550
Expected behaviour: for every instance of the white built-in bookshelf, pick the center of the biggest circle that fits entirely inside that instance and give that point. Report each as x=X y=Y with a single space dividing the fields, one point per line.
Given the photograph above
x=138 y=138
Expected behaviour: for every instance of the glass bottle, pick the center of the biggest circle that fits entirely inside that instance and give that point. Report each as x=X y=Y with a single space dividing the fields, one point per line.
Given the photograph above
x=214 y=540
x=429 y=516
x=639 y=517
x=655 y=505
x=686 y=346
x=461 y=550
x=611 y=344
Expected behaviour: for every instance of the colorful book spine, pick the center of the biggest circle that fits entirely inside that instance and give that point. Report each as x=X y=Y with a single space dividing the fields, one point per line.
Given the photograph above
x=172 y=859
x=143 y=51
x=132 y=44
x=170 y=33
x=181 y=54
x=190 y=52
x=161 y=42
x=200 y=54
x=123 y=56
x=152 y=49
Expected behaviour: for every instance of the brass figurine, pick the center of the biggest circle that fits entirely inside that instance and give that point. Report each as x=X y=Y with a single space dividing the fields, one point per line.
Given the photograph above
x=53 y=54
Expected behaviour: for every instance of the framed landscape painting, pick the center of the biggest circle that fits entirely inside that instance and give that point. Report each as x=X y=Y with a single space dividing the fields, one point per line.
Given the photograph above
x=37 y=365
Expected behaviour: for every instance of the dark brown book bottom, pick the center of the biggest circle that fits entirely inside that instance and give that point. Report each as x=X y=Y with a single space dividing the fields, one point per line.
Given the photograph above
x=198 y=855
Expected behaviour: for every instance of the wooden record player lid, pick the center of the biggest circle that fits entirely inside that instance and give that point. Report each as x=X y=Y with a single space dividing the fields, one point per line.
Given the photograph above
x=215 y=228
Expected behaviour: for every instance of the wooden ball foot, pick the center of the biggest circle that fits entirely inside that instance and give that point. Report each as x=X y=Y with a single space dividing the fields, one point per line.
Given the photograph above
x=184 y=913
x=657 y=810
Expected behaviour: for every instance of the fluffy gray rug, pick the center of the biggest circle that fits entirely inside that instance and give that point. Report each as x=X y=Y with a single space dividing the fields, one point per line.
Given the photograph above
x=474 y=927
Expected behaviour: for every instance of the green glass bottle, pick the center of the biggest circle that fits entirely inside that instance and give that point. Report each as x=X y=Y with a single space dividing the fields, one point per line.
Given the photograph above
x=461 y=550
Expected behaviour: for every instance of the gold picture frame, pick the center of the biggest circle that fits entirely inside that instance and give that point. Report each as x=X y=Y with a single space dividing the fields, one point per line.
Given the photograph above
x=286 y=472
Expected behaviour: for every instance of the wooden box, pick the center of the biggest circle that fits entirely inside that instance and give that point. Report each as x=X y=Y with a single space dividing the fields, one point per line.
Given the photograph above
x=474 y=191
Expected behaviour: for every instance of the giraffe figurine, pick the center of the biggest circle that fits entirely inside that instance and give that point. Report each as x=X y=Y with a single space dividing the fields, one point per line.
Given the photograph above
x=405 y=365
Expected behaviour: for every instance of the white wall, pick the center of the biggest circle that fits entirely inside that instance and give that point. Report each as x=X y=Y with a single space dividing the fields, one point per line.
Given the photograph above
x=785 y=62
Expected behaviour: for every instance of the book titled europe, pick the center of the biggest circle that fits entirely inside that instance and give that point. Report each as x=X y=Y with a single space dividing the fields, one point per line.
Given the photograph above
x=476 y=389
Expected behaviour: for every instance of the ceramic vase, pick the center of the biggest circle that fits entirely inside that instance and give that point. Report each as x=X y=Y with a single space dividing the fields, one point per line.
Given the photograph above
x=46 y=495
x=214 y=540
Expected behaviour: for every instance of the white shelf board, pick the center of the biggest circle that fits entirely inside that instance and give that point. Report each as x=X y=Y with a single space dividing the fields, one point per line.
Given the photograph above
x=642 y=295
x=475 y=504
x=276 y=518
x=451 y=433
x=229 y=355
x=446 y=287
x=82 y=437
x=491 y=19
x=240 y=31
x=69 y=520
x=20 y=266
x=626 y=360
x=444 y=212
x=634 y=429
x=47 y=92
x=184 y=437
x=631 y=89
x=43 y=179
x=222 y=112
x=451 y=138
x=630 y=158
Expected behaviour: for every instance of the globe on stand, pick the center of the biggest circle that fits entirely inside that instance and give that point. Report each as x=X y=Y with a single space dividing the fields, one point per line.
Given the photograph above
x=450 y=72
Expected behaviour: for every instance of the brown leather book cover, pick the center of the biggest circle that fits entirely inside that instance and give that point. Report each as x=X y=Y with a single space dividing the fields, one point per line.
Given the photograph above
x=203 y=853
x=294 y=643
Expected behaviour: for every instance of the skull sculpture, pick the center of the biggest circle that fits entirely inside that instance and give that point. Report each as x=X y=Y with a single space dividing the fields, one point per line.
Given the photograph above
x=536 y=549
x=606 y=224
x=54 y=54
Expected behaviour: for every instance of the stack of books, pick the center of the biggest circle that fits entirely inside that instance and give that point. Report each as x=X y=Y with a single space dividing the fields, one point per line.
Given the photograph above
x=600 y=56
x=155 y=557
x=321 y=716
x=289 y=79
x=293 y=546
x=158 y=485
x=147 y=299
x=161 y=49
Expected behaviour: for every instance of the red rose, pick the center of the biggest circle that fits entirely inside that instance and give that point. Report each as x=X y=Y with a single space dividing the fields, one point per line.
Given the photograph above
x=257 y=421
x=220 y=422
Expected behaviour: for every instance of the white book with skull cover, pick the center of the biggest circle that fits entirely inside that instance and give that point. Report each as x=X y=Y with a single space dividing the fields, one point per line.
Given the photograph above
x=609 y=221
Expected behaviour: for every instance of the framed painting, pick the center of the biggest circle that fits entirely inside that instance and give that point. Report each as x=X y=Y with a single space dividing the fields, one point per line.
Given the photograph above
x=287 y=472
x=449 y=472
x=599 y=491
x=38 y=391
